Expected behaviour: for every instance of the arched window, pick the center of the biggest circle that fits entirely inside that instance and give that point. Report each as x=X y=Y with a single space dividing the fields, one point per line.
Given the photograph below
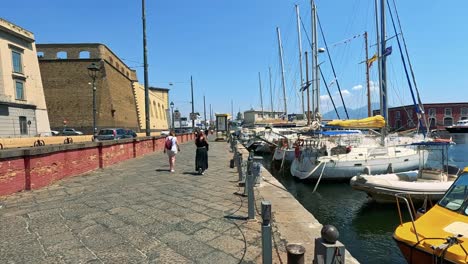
x=432 y=122
x=164 y=113
x=40 y=54
x=84 y=54
x=448 y=121
x=61 y=55
x=111 y=61
x=155 y=109
x=159 y=109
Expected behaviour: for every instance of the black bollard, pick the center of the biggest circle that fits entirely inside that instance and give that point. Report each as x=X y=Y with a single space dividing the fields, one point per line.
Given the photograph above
x=295 y=254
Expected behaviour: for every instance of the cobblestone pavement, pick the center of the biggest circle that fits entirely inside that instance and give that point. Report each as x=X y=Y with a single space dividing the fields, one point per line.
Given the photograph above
x=134 y=212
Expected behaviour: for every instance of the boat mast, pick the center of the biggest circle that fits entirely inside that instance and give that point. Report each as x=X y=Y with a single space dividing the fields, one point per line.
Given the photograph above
x=299 y=39
x=379 y=58
x=383 y=68
x=271 y=91
x=369 y=113
x=316 y=76
x=261 y=94
x=308 y=86
x=280 y=47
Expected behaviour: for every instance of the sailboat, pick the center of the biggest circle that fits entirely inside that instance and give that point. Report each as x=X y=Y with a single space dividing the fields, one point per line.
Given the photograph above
x=365 y=155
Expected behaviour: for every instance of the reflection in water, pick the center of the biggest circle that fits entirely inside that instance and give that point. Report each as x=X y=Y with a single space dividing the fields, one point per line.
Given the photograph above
x=366 y=228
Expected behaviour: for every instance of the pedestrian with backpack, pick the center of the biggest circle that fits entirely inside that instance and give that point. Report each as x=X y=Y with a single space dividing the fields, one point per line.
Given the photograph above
x=171 y=148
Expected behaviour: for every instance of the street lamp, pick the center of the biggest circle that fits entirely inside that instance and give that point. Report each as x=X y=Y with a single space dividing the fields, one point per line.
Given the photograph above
x=172 y=114
x=93 y=70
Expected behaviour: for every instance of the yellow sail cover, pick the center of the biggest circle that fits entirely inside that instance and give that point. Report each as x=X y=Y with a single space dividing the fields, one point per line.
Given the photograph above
x=370 y=122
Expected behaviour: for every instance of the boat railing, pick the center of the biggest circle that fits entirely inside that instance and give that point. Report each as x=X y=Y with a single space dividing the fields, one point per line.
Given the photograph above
x=405 y=197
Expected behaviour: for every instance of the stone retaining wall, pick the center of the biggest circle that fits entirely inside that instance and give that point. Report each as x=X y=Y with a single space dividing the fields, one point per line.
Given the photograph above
x=32 y=168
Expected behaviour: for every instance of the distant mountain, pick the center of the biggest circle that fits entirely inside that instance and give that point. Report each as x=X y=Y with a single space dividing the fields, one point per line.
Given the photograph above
x=353 y=113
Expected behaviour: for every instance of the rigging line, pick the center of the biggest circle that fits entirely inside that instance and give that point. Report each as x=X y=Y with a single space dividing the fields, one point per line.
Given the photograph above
x=418 y=111
x=305 y=31
x=333 y=68
x=329 y=94
x=409 y=63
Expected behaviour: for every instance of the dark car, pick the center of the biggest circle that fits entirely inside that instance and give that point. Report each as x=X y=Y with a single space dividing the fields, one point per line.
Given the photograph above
x=129 y=134
x=110 y=134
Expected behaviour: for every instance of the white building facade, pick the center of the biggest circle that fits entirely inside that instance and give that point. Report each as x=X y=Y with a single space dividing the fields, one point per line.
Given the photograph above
x=23 y=111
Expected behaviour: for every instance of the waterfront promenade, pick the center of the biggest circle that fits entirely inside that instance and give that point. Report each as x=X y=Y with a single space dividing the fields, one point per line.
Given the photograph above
x=138 y=212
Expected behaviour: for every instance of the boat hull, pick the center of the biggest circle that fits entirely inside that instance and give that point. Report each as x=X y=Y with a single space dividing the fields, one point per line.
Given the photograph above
x=455 y=129
x=283 y=153
x=305 y=169
x=383 y=188
x=415 y=255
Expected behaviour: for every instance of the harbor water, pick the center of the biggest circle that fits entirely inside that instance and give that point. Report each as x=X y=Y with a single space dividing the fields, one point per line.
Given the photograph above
x=365 y=227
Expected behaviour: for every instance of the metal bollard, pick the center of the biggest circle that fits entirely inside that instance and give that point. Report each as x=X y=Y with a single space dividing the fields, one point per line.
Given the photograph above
x=328 y=249
x=248 y=172
x=251 y=195
x=256 y=169
x=266 y=233
x=295 y=254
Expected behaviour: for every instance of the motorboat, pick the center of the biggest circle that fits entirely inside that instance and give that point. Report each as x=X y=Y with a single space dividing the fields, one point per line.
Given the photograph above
x=460 y=127
x=430 y=181
x=439 y=235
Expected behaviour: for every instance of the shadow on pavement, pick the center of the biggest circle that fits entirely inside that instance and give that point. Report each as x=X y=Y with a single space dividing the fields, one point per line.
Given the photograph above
x=192 y=173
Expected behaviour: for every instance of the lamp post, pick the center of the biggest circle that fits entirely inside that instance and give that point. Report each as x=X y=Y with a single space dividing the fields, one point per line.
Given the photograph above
x=172 y=114
x=93 y=70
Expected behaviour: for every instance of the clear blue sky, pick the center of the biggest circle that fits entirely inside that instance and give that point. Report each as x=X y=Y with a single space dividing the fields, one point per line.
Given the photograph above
x=224 y=44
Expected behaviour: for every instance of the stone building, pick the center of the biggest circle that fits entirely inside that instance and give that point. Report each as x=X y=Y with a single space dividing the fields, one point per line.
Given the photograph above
x=23 y=109
x=68 y=88
x=253 y=116
x=159 y=107
x=439 y=115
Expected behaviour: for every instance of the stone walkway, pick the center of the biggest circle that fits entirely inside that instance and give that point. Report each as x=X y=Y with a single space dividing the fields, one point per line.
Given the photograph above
x=134 y=212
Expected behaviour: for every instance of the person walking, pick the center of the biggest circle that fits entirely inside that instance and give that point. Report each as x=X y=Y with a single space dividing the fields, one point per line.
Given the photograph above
x=171 y=147
x=201 y=156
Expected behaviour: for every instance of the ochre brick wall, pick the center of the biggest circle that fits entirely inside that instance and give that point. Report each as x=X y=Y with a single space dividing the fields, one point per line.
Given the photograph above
x=69 y=94
x=49 y=164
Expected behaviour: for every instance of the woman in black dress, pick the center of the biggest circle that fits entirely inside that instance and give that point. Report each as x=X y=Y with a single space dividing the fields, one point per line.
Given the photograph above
x=201 y=157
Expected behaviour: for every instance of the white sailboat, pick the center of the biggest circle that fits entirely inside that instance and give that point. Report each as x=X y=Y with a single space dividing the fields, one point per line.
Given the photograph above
x=358 y=158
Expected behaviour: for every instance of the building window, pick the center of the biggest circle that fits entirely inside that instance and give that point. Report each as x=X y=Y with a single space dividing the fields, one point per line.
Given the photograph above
x=155 y=109
x=432 y=112
x=432 y=122
x=17 y=62
x=19 y=87
x=85 y=55
x=40 y=54
x=397 y=115
x=62 y=55
x=448 y=111
x=398 y=124
x=23 y=125
x=448 y=121
x=464 y=111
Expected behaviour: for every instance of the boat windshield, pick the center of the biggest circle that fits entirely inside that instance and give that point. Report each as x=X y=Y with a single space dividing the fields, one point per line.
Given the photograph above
x=457 y=196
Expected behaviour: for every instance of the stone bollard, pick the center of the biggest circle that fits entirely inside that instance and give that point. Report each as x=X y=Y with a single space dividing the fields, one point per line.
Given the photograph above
x=295 y=253
x=328 y=249
x=257 y=168
x=266 y=233
x=249 y=185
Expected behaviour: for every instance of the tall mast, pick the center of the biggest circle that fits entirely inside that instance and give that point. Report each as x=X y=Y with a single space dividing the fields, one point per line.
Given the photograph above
x=145 y=67
x=271 y=91
x=379 y=57
x=261 y=94
x=316 y=67
x=301 y=83
x=369 y=114
x=384 y=59
x=204 y=109
x=280 y=47
x=192 y=116
x=308 y=86
x=211 y=114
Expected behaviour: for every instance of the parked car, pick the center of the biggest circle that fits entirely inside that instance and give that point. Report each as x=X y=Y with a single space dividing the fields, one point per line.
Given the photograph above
x=71 y=132
x=129 y=134
x=110 y=134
